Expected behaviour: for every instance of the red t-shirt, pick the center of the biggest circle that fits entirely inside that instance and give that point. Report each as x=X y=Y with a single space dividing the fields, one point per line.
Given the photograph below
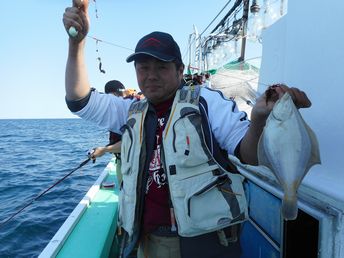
x=157 y=209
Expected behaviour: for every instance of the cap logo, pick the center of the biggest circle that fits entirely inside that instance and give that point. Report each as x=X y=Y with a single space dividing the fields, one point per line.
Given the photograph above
x=151 y=42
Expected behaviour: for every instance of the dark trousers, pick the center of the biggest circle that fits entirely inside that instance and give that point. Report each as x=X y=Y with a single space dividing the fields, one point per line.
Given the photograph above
x=208 y=246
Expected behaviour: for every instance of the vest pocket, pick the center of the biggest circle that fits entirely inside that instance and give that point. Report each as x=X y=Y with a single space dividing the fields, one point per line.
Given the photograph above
x=188 y=141
x=206 y=203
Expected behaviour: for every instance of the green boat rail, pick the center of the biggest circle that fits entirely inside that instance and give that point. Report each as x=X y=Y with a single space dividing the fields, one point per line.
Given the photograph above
x=90 y=230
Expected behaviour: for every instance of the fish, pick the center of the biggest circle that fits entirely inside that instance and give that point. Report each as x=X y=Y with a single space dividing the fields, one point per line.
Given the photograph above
x=289 y=148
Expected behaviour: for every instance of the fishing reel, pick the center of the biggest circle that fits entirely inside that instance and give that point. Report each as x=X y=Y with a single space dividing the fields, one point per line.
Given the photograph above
x=90 y=153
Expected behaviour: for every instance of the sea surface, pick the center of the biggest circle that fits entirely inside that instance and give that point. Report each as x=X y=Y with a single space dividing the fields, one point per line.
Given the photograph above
x=34 y=154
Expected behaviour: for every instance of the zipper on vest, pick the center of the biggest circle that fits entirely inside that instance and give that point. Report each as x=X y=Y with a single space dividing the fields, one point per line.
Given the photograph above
x=187 y=149
x=172 y=215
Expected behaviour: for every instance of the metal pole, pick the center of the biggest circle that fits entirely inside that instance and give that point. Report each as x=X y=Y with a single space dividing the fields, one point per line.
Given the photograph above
x=244 y=29
x=197 y=57
x=282 y=8
x=190 y=49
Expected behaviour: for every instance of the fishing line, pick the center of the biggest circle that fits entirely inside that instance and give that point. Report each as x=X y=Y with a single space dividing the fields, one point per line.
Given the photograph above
x=99 y=59
x=110 y=43
x=100 y=65
x=44 y=192
x=95 y=8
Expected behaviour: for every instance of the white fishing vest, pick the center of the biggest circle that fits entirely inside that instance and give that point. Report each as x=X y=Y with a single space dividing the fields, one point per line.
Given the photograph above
x=205 y=197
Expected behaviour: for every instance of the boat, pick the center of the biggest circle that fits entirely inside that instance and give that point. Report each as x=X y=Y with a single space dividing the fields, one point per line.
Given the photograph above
x=89 y=231
x=303 y=48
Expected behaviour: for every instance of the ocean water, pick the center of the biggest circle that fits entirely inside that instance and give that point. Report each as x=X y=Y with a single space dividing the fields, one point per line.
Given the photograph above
x=34 y=154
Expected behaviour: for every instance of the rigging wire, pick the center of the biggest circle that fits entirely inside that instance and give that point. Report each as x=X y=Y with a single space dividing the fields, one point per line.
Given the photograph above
x=187 y=50
x=97 y=40
x=230 y=15
x=215 y=18
x=5 y=221
x=235 y=6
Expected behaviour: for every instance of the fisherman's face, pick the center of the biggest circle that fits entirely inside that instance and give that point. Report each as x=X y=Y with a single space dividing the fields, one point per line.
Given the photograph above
x=158 y=80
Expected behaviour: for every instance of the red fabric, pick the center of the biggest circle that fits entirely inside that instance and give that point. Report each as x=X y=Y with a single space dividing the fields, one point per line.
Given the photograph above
x=114 y=137
x=157 y=210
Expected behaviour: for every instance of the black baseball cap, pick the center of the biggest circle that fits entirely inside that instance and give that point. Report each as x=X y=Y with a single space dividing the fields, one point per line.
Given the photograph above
x=114 y=86
x=157 y=44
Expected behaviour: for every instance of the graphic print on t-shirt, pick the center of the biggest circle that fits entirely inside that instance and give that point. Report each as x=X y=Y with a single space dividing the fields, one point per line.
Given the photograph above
x=157 y=174
x=156 y=210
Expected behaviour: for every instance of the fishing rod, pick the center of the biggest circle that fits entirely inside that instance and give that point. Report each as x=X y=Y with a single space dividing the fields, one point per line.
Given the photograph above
x=45 y=191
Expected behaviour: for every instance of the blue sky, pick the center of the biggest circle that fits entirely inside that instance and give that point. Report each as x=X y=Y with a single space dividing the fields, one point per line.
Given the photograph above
x=34 y=46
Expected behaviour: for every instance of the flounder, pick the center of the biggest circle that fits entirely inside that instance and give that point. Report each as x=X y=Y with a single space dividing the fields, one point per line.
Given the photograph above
x=289 y=147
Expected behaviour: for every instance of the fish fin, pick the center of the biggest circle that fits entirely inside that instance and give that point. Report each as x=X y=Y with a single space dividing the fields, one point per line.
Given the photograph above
x=289 y=207
x=315 y=153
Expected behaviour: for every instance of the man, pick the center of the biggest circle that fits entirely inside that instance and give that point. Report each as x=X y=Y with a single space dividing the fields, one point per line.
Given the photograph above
x=180 y=197
x=117 y=89
x=114 y=87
